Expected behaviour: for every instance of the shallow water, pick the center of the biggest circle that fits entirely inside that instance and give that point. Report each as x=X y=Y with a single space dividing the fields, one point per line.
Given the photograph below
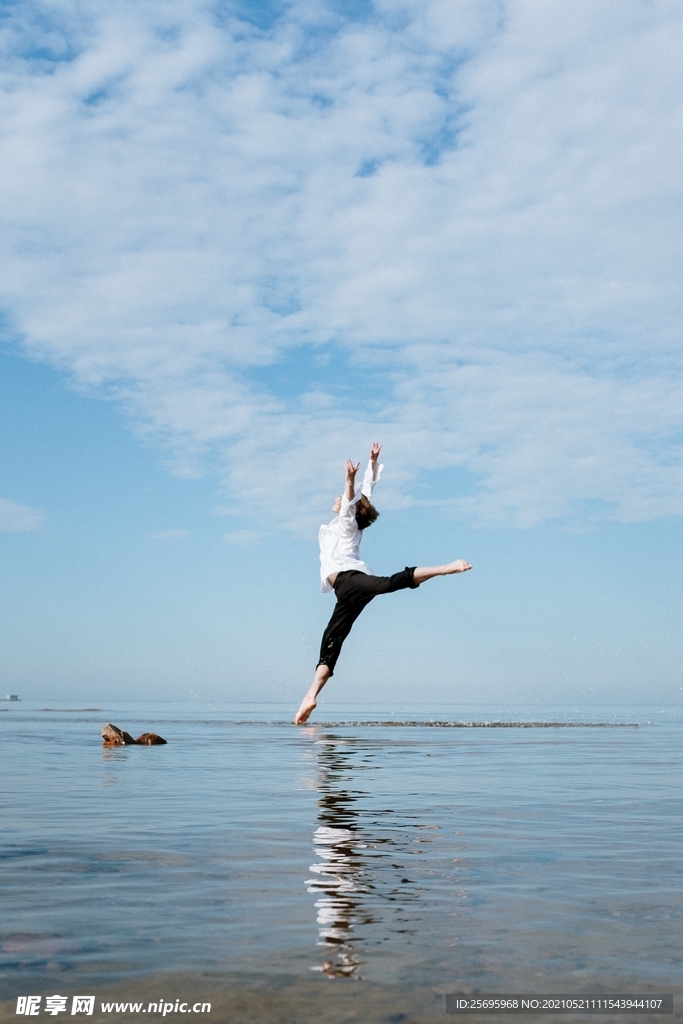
x=469 y=848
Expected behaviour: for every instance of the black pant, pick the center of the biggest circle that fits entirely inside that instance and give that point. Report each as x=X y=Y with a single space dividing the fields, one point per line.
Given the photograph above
x=354 y=591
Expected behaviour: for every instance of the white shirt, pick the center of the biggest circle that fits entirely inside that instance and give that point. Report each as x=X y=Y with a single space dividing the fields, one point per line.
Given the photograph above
x=340 y=540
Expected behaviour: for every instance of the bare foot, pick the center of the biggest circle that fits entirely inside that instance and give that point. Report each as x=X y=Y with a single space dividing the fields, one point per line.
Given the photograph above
x=460 y=566
x=307 y=705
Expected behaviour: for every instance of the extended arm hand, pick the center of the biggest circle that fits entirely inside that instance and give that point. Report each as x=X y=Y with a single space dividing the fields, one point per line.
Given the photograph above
x=373 y=471
x=374 y=456
x=351 y=471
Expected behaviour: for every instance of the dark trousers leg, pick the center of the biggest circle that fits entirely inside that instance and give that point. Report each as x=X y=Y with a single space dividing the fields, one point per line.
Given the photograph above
x=354 y=591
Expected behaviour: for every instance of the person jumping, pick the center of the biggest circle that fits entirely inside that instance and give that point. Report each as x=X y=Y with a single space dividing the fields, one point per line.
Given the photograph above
x=352 y=580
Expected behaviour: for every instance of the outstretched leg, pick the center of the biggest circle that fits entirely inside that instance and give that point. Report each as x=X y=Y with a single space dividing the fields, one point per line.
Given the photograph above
x=322 y=674
x=350 y=603
x=422 y=574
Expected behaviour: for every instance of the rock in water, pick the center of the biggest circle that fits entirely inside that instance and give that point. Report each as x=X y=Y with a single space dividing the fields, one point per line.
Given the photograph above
x=115 y=737
x=150 y=739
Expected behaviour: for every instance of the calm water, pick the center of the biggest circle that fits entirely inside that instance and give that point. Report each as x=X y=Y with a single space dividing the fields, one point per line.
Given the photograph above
x=371 y=845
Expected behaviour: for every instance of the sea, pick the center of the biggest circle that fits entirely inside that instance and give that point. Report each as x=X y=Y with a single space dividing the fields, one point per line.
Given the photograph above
x=359 y=868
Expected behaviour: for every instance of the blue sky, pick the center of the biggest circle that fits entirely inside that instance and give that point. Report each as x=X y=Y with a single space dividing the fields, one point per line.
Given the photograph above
x=241 y=241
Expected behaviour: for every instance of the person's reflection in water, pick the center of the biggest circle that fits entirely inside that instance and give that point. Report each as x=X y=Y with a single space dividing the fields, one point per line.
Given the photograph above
x=338 y=889
x=340 y=877
x=355 y=875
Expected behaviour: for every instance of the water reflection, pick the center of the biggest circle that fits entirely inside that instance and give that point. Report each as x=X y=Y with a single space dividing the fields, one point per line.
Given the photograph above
x=359 y=877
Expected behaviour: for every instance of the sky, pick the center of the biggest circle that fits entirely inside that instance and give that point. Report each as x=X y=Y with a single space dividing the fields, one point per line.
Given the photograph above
x=240 y=242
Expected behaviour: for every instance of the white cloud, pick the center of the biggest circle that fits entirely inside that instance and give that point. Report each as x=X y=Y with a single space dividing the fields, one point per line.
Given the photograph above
x=472 y=209
x=15 y=517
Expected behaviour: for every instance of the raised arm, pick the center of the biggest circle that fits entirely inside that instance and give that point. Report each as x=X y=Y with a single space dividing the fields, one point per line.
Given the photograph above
x=351 y=471
x=373 y=471
x=374 y=456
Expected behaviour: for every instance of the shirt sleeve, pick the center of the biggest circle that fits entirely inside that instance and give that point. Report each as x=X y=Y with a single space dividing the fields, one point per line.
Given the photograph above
x=347 y=517
x=369 y=482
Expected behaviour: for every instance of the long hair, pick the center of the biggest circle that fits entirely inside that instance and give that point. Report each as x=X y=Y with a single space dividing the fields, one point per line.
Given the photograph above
x=366 y=513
